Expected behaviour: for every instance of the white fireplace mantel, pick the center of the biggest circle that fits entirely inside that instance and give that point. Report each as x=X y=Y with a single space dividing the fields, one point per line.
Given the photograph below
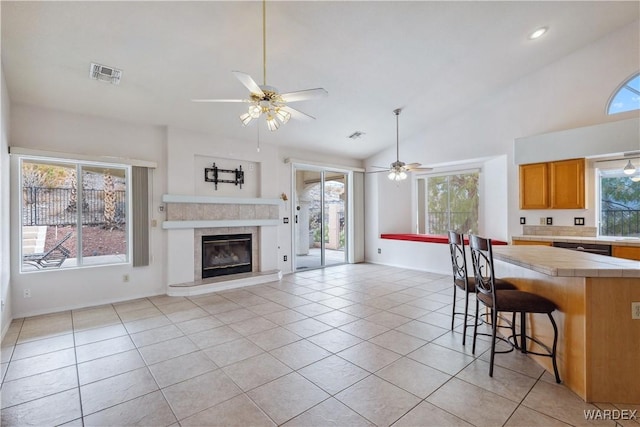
x=183 y=225
x=179 y=198
x=235 y=212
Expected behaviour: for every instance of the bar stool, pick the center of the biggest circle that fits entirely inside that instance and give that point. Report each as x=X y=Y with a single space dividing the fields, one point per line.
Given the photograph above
x=504 y=300
x=463 y=281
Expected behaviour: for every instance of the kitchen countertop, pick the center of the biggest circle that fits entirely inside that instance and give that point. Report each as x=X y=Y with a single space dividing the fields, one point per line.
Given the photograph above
x=608 y=240
x=563 y=263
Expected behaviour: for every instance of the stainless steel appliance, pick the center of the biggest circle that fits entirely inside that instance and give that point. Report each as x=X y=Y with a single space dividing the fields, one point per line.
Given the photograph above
x=593 y=248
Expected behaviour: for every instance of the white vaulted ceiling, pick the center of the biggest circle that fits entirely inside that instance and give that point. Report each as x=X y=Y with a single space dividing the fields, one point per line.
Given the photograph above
x=432 y=58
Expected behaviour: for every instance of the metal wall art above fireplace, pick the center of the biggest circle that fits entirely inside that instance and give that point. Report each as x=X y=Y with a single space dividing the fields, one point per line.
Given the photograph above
x=226 y=254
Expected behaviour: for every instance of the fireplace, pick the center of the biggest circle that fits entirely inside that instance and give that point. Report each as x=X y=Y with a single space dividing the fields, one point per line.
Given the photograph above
x=226 y=254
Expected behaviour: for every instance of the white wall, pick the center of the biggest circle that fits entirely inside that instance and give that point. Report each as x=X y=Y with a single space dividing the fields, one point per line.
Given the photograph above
x=49 y=130
x=569 y=93
x=5 y=289
x=188 y=153
x=493 y=193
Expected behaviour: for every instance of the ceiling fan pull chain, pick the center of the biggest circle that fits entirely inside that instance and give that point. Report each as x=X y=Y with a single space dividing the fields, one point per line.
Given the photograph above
x=258 y=147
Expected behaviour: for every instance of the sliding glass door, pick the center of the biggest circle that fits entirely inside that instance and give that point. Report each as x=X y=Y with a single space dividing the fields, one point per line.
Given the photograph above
x=320 y=218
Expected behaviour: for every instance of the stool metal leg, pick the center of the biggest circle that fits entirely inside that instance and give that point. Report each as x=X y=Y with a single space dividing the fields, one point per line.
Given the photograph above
x=494 y=329
x=513 y=330
x=523 y=332
x=453 y=310
x=555 y=345
x=466 y=313
x=475 y=328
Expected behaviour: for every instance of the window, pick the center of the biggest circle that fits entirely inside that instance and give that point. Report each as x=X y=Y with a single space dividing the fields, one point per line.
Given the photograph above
x=627 y=98
x=619 y=204
x=73 y=213
x=450 y=202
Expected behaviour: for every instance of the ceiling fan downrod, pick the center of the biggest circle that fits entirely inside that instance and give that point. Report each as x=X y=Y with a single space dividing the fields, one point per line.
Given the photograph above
x=397 y=113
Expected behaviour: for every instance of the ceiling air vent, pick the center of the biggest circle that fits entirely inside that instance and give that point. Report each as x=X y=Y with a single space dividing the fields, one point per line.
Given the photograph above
x=357 y=134
x=105 y=74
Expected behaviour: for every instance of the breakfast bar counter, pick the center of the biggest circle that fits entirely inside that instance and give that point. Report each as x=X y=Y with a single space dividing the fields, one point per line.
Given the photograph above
x=599 y=341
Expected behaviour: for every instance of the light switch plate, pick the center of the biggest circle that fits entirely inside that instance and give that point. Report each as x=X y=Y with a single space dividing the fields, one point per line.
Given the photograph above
x=549 y=220
x=523 y=220
x=635 y=310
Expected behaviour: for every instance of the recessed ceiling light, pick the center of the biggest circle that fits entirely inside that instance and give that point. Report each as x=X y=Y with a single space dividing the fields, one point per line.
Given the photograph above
x=538 y=33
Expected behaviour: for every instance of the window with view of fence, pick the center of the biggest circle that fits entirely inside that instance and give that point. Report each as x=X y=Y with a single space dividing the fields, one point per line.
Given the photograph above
x=448 y=202
x=87 y=201
x=442 y=222
x=56 y=206
x=619 y=213
x=618 y=222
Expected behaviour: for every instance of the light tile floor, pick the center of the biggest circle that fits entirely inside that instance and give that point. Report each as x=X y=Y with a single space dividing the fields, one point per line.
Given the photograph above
x=348 y=345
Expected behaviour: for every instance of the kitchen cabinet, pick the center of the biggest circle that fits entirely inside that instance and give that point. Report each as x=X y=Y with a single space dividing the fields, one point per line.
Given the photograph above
x=534 y=186
x=628 y=252
x=566 y=183
x=553 y=185
x=532 y=243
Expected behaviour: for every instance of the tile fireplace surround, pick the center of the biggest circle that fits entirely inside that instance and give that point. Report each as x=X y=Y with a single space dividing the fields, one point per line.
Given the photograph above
x=197 y=246
x=198 y=212
x=216 y=216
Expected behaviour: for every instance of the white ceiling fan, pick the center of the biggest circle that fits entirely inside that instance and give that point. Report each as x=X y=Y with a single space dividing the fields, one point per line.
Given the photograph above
x=398 y=170
x=266 y=100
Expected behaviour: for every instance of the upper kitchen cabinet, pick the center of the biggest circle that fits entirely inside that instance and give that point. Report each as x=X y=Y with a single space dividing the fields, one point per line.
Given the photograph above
x=553 y=185
x=534 y=186
x=566 y=180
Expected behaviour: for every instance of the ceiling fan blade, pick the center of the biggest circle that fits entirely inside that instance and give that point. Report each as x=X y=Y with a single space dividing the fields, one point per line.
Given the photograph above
x=416 y=167
x=220 y=100
x=248 y=82
x=303 y=95
x=386 y=170
x=297 y=114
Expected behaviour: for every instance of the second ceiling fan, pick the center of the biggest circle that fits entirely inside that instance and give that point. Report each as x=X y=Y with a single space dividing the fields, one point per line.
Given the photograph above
x=266 y=100
x=398 y=169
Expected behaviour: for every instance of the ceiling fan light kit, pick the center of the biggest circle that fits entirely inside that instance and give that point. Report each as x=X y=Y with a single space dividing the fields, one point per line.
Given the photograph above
x=266 y=100
x=629 y=169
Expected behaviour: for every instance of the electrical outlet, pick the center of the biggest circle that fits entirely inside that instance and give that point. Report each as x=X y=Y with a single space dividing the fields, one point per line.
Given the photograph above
x=27 y=293
x=549 y=220
x=379 y=250
x=579 y=220
x=284 y=258
x=154 y=222
x=125 y=278
x=635 y=310
x=523 y=220
x=543 y=220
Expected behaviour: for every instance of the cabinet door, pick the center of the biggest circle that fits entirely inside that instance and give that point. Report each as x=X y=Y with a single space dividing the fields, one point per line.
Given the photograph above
x=531 y=243
x=567 y=184
x=628 y=252
x=534 y=193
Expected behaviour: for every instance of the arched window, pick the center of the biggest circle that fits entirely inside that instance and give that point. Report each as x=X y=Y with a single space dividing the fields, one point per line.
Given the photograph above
x=627 y=97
